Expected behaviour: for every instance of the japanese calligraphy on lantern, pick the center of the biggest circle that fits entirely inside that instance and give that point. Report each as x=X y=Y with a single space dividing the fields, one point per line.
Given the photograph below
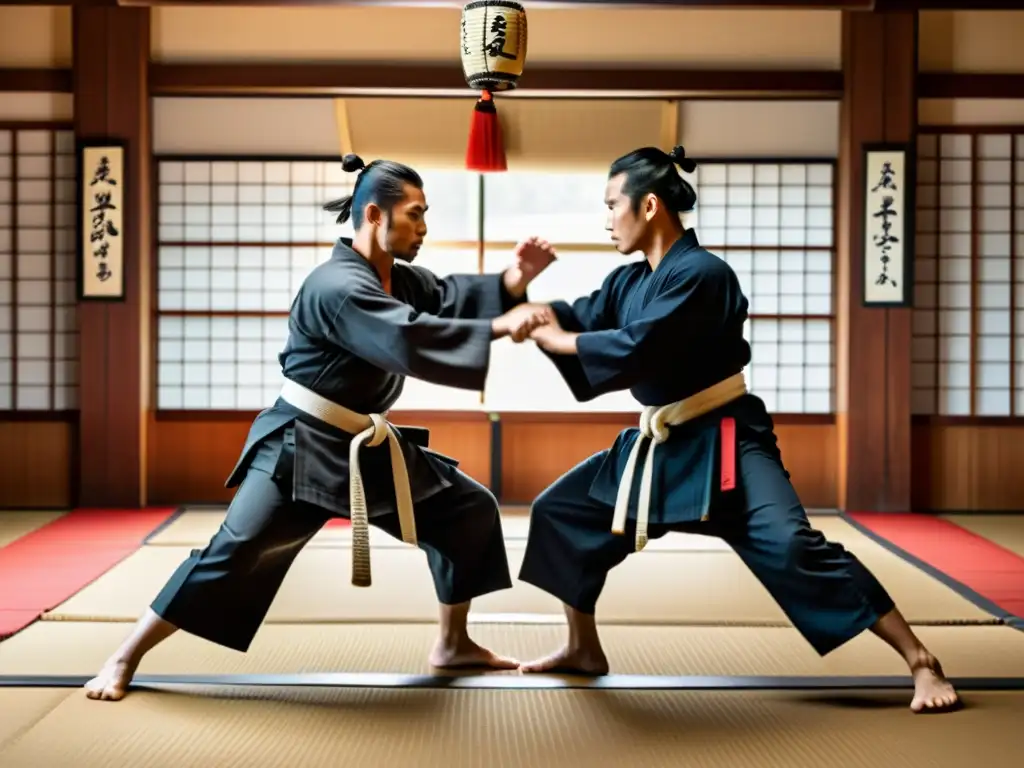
x=888 y=226
x=101 y=221
x=492 y=41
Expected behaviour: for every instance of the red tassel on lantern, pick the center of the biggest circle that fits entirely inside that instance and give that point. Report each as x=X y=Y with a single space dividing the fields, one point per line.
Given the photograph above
x=486 y=150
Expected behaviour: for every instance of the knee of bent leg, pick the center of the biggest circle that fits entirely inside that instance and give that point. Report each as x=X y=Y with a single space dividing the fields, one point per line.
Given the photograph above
x=242 y=552
x=547 y=504
x=482 y=504
x=801 y=546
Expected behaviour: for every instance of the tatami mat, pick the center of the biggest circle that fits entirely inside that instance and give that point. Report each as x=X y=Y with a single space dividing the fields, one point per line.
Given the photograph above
x=258 y=728
x=22 y=708
x=1005 y=530
x=72 y=648
x=14 y=525
x=711 y=587
x=707 y=587
x=194 y=528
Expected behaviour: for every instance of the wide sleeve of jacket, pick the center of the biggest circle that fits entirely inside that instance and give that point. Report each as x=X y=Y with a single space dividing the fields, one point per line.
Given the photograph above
x=402 y=339
x=594 y=312
x=463 y=296
x=614 y=359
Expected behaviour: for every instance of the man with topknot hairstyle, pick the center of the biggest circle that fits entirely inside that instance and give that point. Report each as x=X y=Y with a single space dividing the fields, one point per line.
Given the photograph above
x=361 y=323
x=704 y=459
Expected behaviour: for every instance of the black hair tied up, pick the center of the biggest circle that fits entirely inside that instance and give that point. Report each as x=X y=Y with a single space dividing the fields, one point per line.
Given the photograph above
x=351 y=163
x=686 y=164
x=343 y=206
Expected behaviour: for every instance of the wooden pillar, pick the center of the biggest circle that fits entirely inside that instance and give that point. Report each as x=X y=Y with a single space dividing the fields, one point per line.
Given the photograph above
x=111 y=101
x=873 y=344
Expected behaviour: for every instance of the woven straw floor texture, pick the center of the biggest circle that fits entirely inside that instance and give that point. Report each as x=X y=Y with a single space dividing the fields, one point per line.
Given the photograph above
x=395 y=728
x=729 y=626
x=318 y=587
x=68 y=648
x=1005 y=530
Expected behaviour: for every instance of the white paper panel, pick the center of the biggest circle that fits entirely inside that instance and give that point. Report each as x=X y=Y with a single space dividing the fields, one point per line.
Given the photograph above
x=964 y=293
x=38 y=312
x=772 y=222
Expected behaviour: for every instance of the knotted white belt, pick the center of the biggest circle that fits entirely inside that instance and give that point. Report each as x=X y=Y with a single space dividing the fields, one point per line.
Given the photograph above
x=370 y=430
x=654 y=424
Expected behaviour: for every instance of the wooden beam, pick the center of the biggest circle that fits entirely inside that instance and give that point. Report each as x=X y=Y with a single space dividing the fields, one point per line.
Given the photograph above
x=806 y=5
x=448 y=80
x=874 y=344
x=37 y=80
x=111 y=51
x=947 y=5
x=739 y=5
x=797 y=5
x=980 y=85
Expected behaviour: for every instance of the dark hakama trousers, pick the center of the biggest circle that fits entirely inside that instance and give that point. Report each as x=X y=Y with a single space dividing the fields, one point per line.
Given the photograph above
x=222 y=593
x=825 y=591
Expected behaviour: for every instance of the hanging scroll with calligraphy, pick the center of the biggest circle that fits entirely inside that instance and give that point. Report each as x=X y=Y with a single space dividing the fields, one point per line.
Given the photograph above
x=101 y=197
x=888 y=226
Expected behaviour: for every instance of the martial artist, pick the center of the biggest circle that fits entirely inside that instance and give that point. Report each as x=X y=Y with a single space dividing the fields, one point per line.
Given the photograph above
x=361 y=323
x=670 y=329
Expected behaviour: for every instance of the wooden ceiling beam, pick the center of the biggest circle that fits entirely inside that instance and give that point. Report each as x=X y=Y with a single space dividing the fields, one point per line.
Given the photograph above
x=38 y=80
x=255 y=79
x=447 y=80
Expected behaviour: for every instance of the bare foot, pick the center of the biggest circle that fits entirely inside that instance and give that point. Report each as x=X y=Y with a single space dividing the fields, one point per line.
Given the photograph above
x=933 y=693
x=464 y=653
x=574 y=661
x=111 y=684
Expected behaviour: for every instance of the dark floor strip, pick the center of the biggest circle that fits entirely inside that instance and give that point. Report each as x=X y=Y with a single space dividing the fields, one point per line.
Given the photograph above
x=164 y=525
x=523 y=682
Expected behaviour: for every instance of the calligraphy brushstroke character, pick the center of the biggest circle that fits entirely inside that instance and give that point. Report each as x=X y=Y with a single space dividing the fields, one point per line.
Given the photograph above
x=102 y=173
x=496 y=46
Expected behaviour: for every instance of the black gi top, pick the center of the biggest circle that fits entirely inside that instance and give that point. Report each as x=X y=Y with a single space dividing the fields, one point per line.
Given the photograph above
x=664 y=335
x=354 y=344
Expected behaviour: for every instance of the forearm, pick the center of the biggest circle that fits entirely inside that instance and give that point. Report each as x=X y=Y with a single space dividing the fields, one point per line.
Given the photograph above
x=563 y=343
x=514 y=283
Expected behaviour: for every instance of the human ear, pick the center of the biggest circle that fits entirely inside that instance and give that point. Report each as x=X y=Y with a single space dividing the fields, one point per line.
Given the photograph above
x=374 y=215
x=651 y=207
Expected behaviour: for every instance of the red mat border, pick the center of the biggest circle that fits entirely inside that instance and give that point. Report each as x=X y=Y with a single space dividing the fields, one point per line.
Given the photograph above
x=45 y=567
x=978 y=569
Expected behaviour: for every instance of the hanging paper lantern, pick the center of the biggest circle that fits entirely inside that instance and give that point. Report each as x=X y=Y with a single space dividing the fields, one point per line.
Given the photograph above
x=493 y=45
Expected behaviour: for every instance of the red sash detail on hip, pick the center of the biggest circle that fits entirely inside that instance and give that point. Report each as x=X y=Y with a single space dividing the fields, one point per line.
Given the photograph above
x=728 y=428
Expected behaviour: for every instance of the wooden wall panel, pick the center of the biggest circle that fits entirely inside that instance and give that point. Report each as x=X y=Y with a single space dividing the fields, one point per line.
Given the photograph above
x=968 y=467
x=811 y=454
x=190 y=458
x=535 y=454
x=36 y=464
x=469 y=441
